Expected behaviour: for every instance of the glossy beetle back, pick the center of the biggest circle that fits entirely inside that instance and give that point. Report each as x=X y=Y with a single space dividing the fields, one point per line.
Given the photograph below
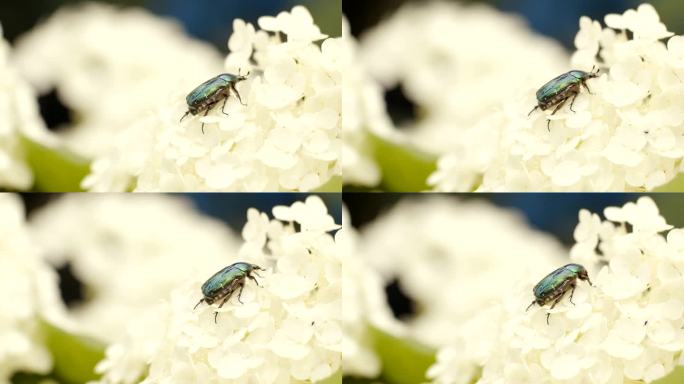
x=561 y=82
x=553 y=280
x=225 y=276
x=208 y=88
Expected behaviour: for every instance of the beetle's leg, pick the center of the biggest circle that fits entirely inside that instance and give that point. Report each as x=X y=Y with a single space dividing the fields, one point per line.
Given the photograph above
x=223 y=109
x=232 y=86
x=573 y=102
x=533 y=109
x=559 y=106
x=198 y=303
x=530 y=306
x=254 y=280
x=215 y=316
x=186 y=113
x=552 y=305
x=572 y=293
x=242 y=286
x=584 y=84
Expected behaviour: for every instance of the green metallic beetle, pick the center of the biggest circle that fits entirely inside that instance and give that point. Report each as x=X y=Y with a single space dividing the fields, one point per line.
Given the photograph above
x=209 y=93
x=224 y=282
x=557 y=91
x=554 y=285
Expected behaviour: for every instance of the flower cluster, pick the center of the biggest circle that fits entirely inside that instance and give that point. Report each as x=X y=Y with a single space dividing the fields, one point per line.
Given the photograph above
x=441 y=55
x=127 y=251
x=285 y=137
x=19 y=118
x=440 y=250
x=28 y=293
x=287 y=329
x=110 y=66
x=363 y=113
x=629 y=326
x=365 y=305
x=626 y=135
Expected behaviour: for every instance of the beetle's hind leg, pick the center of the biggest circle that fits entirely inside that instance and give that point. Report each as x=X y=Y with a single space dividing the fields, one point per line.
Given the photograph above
x=552 y=306
x=573 y=101
x=559 y=106
x=242 y=286
x=572 y=293
x=223 y=109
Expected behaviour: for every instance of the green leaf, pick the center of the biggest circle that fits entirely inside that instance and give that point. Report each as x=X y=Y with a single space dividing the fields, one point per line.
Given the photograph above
x=676 y=377
x=30 y=378
x=403 y=361
x=333 y=185
x=55 y=170
x=336 y=378
x=404 y=169
x=676 y=185
x=75 y=356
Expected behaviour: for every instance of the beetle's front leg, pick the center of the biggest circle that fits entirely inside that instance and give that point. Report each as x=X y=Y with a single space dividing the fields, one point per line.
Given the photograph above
x=254 y=280
x=533 y=109
x=232 y=86
x=198 y=303
x=584 y=84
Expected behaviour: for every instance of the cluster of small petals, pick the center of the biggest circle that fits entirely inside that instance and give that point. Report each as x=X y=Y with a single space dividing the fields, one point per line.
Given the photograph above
x=28 y=293
x=626 y=135
x=455 y=80
x=628 y=327
x=287 y=329
x=127 y=251
x=19 y=118
x=365 y=305
x=438 y=250
x=284 y=138
x=110 y=66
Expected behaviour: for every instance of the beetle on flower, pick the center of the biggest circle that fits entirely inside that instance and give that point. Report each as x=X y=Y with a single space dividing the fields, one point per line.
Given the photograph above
x=557 y=91
x=556 y=283
x=209 y=93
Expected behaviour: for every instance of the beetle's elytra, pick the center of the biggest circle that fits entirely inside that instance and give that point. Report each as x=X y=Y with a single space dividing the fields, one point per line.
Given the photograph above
x=206 y=95
x=555 y=284
x=223 y=283
x=557 y=91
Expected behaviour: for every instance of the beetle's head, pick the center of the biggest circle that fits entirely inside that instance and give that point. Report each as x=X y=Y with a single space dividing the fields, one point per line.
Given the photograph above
x=241 y=77
x=584 y=275
x=594 y=73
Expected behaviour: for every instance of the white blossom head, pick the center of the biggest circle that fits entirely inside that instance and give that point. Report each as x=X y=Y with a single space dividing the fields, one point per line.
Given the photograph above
x=284 y=136
x=127 y=251
x=287 y=329
x=627 y=327
x=626 y=135
x=28 y=295
x=365 y=305
x=19 y=119
x=111 y=66
x=441 y=252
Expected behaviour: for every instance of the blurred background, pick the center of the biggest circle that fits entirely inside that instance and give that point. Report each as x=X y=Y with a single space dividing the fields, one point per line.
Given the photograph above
x=208 y=20
x=557 y=20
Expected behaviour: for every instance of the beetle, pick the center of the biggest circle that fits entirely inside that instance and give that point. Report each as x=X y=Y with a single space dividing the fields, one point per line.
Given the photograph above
x=206 y=95
x=557 y=91
x=223 y=283
x=555 y=284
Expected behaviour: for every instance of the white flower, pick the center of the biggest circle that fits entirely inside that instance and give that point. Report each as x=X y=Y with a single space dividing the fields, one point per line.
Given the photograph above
x=288 y=329
x=365 y=305
x=456 y=64
x=285 y=138
x=452 y=258
x=363 y=112
x=19 y=118
x=628 y=327
x=111 y=66
x=625 y=136
x=127 y=251
x=28 y=293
